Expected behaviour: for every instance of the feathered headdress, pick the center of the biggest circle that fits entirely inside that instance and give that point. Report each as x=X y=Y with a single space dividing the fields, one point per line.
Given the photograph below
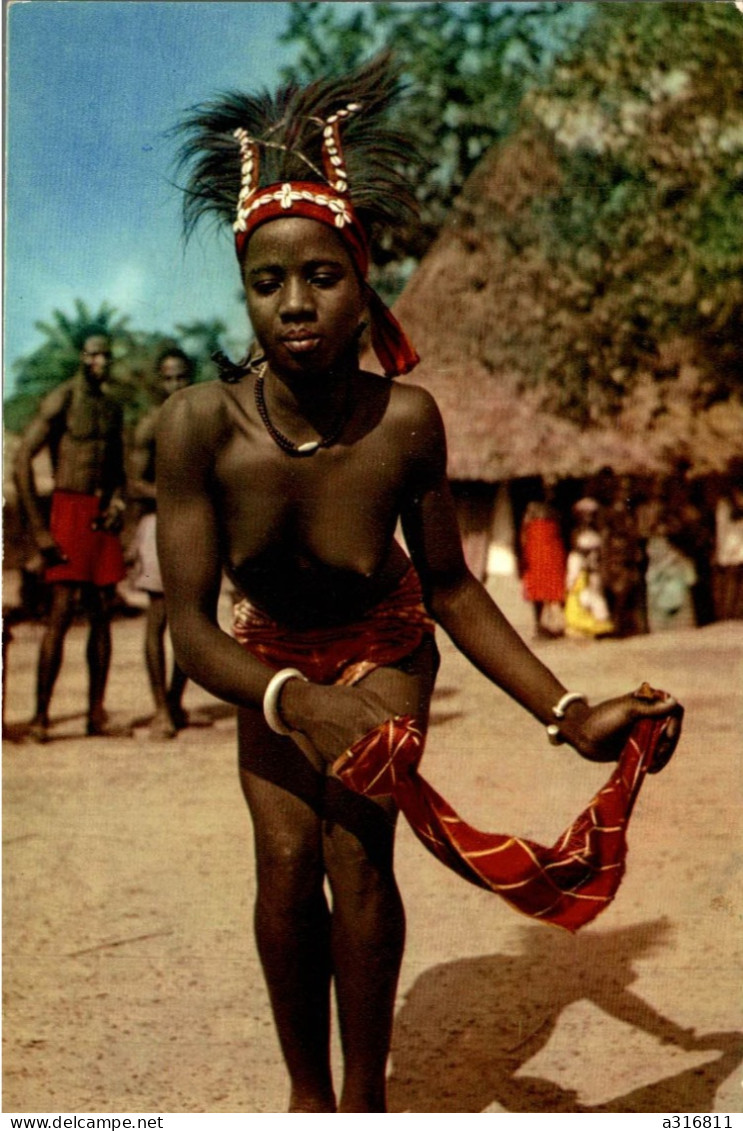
x=322 y=151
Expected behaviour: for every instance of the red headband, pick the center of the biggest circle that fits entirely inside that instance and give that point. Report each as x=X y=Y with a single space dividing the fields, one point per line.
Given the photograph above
x=315 y=201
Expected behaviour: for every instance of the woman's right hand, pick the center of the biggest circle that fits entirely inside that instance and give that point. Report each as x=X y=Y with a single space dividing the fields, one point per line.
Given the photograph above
x=330 y=718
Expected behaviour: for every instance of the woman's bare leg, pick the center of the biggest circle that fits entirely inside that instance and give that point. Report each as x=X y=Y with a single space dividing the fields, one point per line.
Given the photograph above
x=292 y=921
x=368 y=936
x=368 y=931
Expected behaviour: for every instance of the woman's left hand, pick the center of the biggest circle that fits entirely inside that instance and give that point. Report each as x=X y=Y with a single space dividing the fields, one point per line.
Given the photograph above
x=603 y=730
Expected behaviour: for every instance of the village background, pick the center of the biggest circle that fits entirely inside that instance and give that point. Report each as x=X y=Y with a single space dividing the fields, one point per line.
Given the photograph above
x=575 y=292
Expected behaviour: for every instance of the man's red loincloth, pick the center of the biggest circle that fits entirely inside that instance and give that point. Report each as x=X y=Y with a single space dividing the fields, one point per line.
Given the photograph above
x=567 y=884
x=93 y=556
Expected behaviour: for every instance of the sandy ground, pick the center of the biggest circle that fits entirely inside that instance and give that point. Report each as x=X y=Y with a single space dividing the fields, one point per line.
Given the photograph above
x=130 y=975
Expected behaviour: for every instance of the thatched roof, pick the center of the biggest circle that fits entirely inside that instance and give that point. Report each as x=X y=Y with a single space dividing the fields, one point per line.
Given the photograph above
x=469 y=326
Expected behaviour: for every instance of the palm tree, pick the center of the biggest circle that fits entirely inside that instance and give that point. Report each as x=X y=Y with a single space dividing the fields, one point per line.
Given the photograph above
x=58 y=356
x=201 y=339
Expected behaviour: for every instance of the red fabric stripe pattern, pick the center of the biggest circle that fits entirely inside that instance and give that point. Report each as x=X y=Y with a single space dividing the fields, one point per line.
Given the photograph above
x=323 y=203
x=345 y=654
x=568 y=884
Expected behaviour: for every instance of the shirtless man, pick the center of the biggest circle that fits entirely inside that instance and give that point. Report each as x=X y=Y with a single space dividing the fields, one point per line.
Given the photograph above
x=292 y=474
x=82 y=427
x=174 y=371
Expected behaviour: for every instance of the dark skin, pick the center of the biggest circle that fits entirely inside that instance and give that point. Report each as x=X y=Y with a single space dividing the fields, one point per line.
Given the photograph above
x=173 y=374
x=88 y=458
x=311 y=541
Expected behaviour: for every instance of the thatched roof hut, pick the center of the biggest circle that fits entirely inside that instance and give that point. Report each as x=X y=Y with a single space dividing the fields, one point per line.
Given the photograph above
x=480 y=335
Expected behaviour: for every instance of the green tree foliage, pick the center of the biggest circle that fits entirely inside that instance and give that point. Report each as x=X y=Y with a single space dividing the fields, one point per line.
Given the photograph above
x=133 y=375
x=58 y=357
x=200 y=339
x=465 y=66
x=600 y=152
x=642 y=233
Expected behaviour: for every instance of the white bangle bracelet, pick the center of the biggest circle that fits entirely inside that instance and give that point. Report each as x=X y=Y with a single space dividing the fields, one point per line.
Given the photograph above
x=554 y=734
x=271 y=712
x=569 y=697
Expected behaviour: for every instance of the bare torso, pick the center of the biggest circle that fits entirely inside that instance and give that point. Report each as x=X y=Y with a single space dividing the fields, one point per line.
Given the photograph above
x=82 y=427
x=310 y=540
x=87 y=455
x=141 y=484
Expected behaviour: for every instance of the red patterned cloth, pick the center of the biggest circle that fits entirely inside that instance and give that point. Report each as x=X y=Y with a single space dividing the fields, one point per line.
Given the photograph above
x=567 y=884
x=344 y=654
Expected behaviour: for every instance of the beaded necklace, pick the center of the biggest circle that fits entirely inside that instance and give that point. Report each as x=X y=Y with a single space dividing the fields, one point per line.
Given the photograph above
x=310 y=446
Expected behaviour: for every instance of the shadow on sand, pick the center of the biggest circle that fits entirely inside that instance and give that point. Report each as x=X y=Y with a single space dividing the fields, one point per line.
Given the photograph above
x=206 y=715
x=467 y=1027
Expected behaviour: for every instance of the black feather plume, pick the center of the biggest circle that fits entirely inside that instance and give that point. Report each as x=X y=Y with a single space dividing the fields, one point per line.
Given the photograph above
x=288 y=128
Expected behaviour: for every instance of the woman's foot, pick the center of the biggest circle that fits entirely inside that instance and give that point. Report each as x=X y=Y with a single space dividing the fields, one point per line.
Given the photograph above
x=38 y=731
x=162 y=726
x=302 y=1102
x=178 y=716
x=99 y=727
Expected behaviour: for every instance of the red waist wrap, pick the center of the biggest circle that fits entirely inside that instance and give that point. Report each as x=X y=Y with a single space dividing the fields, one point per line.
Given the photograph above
x=567 y=884
x=345 y=653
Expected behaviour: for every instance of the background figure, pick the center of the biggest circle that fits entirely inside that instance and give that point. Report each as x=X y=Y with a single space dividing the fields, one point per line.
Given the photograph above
x=82 y=427
x=586 y=609
x=690 y=525
x=728 y=556
x=624 y=563
x=543 y=564
x=175 y=370
x=670 y=579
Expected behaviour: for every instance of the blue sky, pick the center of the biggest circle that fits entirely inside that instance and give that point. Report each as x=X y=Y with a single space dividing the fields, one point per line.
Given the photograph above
x=92 y=85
